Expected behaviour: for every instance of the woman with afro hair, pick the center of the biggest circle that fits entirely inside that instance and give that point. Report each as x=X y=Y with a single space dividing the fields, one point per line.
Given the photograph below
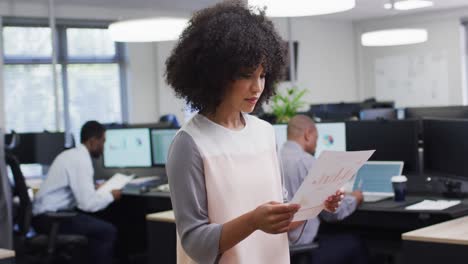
x=223 y=170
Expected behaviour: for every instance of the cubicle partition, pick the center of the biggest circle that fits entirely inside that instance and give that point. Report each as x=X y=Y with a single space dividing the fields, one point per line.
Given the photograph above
x=446 y=154
x=393 y=140
x=36 y=148
x=441 y=112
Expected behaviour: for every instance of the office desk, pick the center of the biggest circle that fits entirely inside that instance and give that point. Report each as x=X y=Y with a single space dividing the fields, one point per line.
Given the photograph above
x=447 y=241
x=166 y=217
x=164 y=195
x=381 y=224
x=7 y=256
x=391 y=215
x=162 y=235
x=129 y=216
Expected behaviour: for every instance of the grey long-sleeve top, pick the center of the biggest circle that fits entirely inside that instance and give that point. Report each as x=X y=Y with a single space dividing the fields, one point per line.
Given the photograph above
x=199 y=237
x=296 y=164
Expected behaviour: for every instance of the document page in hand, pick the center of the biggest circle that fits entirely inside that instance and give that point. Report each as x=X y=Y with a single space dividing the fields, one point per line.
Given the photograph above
x=331 y=172
x=117 y=182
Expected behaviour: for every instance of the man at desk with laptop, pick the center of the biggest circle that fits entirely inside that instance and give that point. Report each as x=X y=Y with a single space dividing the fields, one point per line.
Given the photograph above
x=70 y=185
x=297 y=159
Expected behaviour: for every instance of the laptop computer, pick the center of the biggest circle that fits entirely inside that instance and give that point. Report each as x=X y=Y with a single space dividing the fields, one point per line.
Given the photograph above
x=374 y=179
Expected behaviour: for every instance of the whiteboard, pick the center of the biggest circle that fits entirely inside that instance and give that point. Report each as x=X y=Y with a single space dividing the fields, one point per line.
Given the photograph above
x=413 y=80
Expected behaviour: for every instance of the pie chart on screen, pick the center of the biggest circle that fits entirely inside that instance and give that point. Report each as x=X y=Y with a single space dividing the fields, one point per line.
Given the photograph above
x=328 y=140
x=332 y=136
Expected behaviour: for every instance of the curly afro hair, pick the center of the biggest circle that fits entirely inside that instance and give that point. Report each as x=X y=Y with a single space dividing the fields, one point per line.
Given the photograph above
x=221 y=44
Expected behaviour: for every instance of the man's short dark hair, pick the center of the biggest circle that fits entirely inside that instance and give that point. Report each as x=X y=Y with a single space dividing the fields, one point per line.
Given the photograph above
x=92 y=129
x=220 y=45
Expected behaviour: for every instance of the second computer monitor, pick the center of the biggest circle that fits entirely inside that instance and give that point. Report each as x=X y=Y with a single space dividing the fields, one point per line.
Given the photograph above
x=331 y=136
x=395 y=140
x=162 y=140
x=37 y=148
x=440 y=112
x=378 y=114
x=127 y=147
x=446 y=147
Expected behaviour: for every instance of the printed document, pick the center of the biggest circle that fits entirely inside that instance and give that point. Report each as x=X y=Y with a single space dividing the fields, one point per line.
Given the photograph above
x=437 y=205
x=331 y=172
x=117 y=182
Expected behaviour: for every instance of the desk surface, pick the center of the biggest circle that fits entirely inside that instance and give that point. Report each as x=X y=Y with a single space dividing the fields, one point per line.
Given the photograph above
x=166 y=216
x=146 y=194
x=450 y=232
x=5 y=253
x=393 y=218
x=396 y=207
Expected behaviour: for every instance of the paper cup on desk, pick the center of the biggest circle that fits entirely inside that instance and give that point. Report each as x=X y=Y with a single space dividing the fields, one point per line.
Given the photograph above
x=399 y=187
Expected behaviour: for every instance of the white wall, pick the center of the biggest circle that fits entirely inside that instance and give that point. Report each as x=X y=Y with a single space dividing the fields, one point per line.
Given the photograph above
x=326 y=64
x=142 y=83
x=149 y=95
x=446 y=40
x=168 y=103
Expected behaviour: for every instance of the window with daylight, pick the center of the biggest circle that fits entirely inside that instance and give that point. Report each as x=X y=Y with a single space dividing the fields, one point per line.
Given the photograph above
x=89 y=77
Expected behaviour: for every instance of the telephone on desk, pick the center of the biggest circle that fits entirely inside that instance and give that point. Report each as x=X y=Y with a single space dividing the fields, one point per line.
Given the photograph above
x=162 y=188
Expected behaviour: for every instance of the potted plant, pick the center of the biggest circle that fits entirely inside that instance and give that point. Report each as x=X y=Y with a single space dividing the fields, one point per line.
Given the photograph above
x=285 y=106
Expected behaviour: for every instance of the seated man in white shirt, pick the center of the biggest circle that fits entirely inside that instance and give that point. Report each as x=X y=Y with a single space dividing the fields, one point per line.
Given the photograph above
x=297 y=159
x=70 y=185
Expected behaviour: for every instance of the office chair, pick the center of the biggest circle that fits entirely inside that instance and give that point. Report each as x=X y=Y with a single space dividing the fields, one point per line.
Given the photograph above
x=14 y=141
x=48 y=248
x=301 y=254
x=170 y=119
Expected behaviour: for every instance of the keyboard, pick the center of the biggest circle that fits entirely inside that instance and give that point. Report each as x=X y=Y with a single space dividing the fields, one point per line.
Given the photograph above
x=145 y=184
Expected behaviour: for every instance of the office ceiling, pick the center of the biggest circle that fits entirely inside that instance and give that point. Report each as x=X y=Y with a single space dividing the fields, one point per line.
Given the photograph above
x=169 y=5
x=365 y=9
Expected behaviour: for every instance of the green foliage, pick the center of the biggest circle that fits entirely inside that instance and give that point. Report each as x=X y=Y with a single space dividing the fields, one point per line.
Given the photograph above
x=285 y=106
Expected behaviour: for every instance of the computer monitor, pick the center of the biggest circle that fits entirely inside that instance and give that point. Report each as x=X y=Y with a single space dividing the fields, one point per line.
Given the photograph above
x=24 y=147
x=446 y=147
x=378 y=113
x=161 y=140
x=49 y=146
x=37 y=148
x=331 y=136
x=376 y=176
x=281 y=134
x=372 y=103
x=127 y=147
x=342 y=111
x=448 y=112
x=336 y=111
x=393 y=140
